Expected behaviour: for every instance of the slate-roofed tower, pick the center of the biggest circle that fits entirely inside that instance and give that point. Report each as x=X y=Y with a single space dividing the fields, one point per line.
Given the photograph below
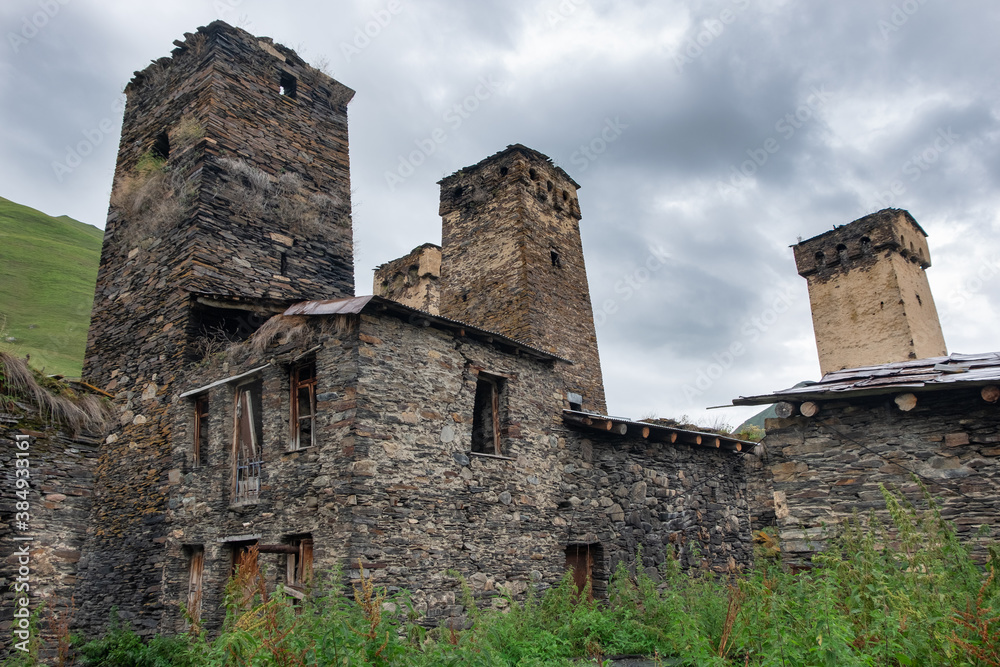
x=871 y=302
x=231 y=200
x=512 y=260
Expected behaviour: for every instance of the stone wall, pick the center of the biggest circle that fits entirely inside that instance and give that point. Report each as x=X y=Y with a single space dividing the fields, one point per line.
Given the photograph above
x=61 y=468
x=512 y=261
x=829 y=466
x=251 y=213
x=412 y=280
x=870 y=299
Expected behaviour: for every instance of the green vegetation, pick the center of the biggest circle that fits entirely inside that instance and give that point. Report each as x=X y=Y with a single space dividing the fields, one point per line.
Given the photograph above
x=48 y=268
x=915 y=598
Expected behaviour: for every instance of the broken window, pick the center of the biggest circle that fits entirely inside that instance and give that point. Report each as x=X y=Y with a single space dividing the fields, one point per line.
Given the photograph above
x=303 y=418
x=215 y=325
x=288 y=86
x=196 y=568
x=586 y=561
x=486 y=420
x=200 y=443
x=298 y=564
x=247 y=436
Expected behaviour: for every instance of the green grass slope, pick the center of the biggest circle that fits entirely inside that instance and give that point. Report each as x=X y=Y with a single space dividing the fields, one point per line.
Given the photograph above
x=48 y=268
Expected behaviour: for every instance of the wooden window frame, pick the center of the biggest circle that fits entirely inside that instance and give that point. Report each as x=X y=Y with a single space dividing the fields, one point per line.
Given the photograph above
x=297 y=385
x=299 y=567
x=247 y=461
x=196 y=579
x=201 y=429
x=497 y=386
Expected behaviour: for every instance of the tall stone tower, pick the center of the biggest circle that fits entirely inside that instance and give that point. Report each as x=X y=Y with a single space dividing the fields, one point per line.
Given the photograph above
x=231 y=200
x=871 y=302
x=512 y=261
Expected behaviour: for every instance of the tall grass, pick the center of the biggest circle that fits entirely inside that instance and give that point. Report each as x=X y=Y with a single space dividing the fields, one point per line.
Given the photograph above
x=902 y=594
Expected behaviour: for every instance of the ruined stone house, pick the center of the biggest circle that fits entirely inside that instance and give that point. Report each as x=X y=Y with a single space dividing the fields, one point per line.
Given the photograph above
x=455 y=421
x=893 y=408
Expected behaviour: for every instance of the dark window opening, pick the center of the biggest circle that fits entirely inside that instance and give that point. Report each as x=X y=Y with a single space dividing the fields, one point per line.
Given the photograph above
x=299 y=566
x=200 y=454
x=458 y=191
x=575 y=401
x=565 y=195
x=243 y=555
x=866 y=245
x=303 y=418
x=842 y=252
x=196 y=570
x=247 y=438
x=503 y=171
x=283 y=261
x=586 y=561
x=288 y=86
x=554 y=256
x=819 y=258
x=486 y=419
x=212 y=329
x=548 y=185
x=533 y=174
x=161 y=147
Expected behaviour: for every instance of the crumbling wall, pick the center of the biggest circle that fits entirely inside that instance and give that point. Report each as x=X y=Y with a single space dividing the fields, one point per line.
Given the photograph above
x=412 y=280
x=827 y=467
x=60 y=469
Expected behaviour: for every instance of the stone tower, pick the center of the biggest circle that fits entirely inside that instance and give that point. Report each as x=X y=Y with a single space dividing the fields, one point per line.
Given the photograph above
x=231 y=200
x=871 y=302
x=512 y=261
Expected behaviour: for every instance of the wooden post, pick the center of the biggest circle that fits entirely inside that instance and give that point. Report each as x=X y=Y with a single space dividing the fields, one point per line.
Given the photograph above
x=809 y=409
x=906 y=402
x=784 y=409
x=990 y=393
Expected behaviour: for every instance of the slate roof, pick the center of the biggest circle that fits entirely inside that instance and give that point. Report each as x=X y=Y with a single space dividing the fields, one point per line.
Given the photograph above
x=918 y=375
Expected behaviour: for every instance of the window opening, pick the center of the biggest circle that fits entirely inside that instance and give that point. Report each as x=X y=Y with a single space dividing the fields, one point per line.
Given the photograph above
x=486 y=418
x=196 y=569
x=303 y=418
x=299 y=564
x=288 y=86
x=243 y=554
x=200 y=430
x=247 y=457
x=161 y=147
x=283 y=261
x=554 y=256
x=586 y=561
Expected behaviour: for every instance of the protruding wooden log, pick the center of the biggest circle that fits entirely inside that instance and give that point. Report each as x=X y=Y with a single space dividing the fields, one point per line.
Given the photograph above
x=784 y=409
x=809 y=409
x=906 y=402
x=645 y=431
x=990 y=393
x=673 y=437
x=620 y=429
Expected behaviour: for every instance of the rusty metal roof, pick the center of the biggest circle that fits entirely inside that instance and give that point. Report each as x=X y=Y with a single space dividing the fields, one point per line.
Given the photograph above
x=933 y=374
x=654 y=432
x=357 y=304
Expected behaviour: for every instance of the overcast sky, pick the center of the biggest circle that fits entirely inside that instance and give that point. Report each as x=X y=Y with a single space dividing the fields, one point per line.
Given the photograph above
x=707 y=137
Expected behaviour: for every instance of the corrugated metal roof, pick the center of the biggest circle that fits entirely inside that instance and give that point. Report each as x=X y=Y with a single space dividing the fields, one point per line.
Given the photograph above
x=357 y=304
x=933 y=374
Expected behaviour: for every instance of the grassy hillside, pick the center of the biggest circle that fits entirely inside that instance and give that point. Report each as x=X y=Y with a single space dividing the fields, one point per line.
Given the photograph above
x=48 y=267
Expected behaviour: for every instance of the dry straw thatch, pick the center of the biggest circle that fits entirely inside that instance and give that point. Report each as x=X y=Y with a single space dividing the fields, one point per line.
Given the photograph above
x=55 y=401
